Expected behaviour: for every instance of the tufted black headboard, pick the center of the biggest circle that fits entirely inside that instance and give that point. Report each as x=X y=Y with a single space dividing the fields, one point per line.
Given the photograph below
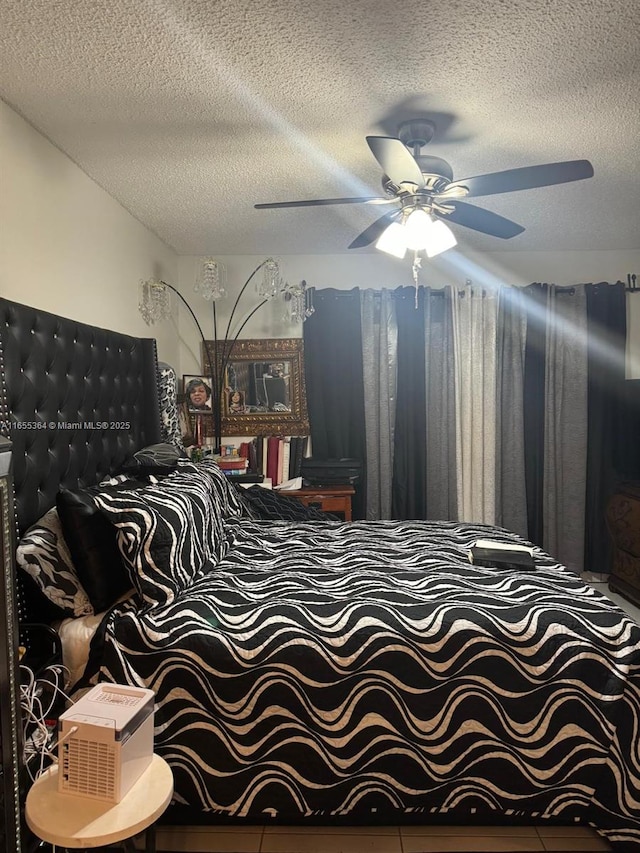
x=76 y=402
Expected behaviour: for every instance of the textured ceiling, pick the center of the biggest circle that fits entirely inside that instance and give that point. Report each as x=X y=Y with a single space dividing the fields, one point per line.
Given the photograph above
x=190 y=111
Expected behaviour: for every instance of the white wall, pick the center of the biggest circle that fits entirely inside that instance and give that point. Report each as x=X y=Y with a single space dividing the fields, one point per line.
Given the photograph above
x=378 y=270
x=68 y=247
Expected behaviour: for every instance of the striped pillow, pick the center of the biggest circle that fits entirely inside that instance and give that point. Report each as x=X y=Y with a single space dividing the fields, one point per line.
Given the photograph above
x=167 y=533
x=226 y=497
x=44 y=555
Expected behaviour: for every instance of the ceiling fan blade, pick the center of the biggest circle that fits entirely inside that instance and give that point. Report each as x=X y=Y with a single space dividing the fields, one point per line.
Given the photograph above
x=314 y=202
x=526 y=178
x=373 y=231
x=481 y=220
x=396 y=160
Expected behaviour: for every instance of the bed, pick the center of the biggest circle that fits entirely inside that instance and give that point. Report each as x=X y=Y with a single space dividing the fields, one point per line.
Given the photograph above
x=321 y=671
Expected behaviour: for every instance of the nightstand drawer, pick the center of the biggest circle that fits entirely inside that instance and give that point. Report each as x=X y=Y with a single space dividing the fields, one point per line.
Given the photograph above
x=334 y=499
x=335 y=504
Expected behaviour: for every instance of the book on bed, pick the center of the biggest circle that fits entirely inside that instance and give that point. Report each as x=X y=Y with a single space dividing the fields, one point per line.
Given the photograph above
x=489 y=553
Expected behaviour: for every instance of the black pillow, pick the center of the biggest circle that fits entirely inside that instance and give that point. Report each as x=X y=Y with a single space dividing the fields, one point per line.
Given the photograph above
x=268 y=504
x=154 y=459
x=91 y=539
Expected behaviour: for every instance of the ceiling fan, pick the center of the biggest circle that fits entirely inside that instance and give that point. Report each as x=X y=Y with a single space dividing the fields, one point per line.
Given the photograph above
x=415 y=182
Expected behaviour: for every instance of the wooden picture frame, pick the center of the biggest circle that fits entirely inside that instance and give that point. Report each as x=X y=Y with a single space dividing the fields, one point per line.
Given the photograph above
x=197 y=401
x=269 y=376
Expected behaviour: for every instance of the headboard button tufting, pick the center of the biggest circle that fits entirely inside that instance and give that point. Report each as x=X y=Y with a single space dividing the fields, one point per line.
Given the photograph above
x=94 y=375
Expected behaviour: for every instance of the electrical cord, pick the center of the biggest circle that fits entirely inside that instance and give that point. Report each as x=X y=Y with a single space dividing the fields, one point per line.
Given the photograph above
x=38 y=737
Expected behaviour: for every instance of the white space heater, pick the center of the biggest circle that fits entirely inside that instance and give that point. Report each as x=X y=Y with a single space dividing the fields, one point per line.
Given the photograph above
x=112 y=744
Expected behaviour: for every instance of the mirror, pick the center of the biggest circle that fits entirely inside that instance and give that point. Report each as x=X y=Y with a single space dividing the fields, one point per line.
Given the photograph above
x=263 y=389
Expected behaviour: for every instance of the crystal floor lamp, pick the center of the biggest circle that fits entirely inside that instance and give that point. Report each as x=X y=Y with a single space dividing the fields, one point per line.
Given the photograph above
x=155 y=306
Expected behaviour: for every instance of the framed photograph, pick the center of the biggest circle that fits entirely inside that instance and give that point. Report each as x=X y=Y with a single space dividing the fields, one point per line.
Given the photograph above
x=197 y=394
x=235 y=402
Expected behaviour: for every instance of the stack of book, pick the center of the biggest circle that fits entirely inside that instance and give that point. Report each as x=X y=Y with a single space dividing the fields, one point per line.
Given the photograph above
x=232 y=466
x=278 y=457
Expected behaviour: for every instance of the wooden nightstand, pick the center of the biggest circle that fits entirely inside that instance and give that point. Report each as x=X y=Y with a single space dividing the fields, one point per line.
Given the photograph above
x=336 y=499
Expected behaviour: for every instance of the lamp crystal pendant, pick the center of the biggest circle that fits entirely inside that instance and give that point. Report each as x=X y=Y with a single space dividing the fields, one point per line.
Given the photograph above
x=211 y=279
x=298 y=301
x=155 y=301
x=271 y=283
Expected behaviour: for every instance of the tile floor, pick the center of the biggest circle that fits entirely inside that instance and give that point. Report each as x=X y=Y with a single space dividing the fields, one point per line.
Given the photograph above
x=384 y=839
x=414 y=839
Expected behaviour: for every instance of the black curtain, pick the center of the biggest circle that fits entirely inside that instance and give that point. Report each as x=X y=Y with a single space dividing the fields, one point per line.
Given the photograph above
x=409 y=492
x=334 y=381
x=606 y=414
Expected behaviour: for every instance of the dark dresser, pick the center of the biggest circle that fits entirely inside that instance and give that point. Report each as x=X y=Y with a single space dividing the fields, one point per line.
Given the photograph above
x=623 y=523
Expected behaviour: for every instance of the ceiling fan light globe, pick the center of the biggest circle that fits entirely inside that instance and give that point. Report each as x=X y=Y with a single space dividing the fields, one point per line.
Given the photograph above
x=393 y=240
x=439 y=238
x=417 y=227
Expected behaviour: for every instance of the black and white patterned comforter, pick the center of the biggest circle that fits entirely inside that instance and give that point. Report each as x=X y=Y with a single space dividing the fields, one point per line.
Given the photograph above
x=324 y=669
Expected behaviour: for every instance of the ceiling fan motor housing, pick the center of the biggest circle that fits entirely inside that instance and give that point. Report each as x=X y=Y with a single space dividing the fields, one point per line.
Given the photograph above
x=417 y=132
x=437 y=172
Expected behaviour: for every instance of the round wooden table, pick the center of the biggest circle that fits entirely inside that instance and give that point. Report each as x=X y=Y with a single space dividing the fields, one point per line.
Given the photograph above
x=74 y=822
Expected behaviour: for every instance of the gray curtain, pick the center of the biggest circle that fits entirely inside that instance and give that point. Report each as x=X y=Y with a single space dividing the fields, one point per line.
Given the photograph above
x=379 y=363
x=441 y=486
x=565 y=426
x=474 y=322
x=511 y=496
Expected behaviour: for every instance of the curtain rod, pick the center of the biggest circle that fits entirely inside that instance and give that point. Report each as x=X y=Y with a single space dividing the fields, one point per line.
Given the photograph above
x=632 y=286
